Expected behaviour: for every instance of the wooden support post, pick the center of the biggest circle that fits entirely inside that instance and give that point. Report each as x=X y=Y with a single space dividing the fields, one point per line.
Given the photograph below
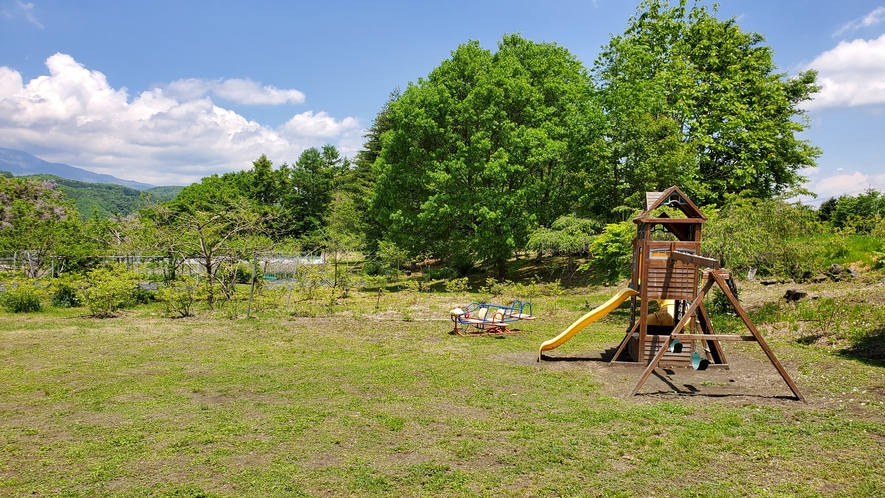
x=689 y=313
x=746 y=319
x=717 y=356
x=624 y=342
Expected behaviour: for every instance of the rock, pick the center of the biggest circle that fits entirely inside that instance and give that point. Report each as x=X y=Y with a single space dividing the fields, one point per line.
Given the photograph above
x=751 y=274
x=795 y=295
x=836 y=269
x=768 y=281
x=818 y=279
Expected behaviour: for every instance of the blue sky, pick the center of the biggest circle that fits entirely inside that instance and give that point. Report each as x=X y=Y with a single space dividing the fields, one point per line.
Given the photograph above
x=167 y=92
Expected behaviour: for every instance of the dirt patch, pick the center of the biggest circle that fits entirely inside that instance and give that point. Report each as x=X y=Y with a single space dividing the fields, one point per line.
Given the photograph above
x=751 y=379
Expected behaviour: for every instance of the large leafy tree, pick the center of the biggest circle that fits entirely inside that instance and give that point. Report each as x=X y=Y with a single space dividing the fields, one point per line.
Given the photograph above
x=360 y=180
x=37 y=222
x=695 y=101
x=309 y=186
x=483 y=150
x=214 y=223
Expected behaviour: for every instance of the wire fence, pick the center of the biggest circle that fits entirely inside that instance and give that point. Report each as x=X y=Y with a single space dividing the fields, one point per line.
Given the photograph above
x=276 y=268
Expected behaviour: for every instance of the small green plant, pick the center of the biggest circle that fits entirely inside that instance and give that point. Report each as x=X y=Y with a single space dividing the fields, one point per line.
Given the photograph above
x=21 y=296
x=179 y=296
x=878 y=260
x=106 y=290
x=63 y=291
x=493 y=288
x=456 y=285
x=612 y=251
x=440 y=273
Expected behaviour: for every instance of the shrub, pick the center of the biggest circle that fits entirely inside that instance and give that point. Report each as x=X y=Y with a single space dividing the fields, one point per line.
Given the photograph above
x=21 y=296
x=63 y=291
x=878 y=260
x=142 y=295
x=440 y=273
x=179 y=296
x=763 y=234
x=106 y=290
x=372 y=269
x=457 y=285
x=612 y=251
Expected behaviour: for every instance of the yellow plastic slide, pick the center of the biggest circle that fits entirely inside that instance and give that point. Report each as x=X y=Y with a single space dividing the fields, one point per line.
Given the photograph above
x=587 y=319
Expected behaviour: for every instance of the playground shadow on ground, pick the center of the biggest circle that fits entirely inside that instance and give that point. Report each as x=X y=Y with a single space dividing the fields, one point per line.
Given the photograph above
x=605 y=357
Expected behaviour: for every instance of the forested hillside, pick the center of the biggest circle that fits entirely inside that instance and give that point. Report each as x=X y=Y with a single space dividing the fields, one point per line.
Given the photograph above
x=105 y=199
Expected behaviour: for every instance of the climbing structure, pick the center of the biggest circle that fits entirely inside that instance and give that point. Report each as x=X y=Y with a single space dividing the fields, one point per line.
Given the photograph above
x=668 y=269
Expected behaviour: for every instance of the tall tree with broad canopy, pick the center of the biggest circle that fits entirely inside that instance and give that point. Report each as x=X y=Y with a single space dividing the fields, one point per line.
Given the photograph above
x=37 y=221
x=484 y=150
x=213 y=222
x=694 y=101
x=309 y=186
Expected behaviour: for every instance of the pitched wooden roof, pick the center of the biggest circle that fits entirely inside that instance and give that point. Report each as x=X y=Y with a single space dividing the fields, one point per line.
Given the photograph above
x=672 y=197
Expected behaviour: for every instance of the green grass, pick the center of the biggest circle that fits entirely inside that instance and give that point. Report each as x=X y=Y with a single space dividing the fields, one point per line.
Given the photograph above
x=845 y=250
x=353 y=400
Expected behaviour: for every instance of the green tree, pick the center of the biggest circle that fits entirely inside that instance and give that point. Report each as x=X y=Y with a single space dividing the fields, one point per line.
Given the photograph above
x=484 y=150
x=37 y=222
x=695 y=101
x=569 y=235
x=309 y=189
x=212 y=222
x=360 y=181
x=858 y=212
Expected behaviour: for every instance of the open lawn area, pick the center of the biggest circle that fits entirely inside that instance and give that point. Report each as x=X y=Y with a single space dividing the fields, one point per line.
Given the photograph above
x=374 y=396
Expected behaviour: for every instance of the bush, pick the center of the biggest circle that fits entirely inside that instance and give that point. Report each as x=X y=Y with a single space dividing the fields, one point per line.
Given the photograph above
x=106 y=290
x=63 y=291
x=244 y=274
x=611 y=252
x=456 y=285
x=179 y=296
x=21 y=296
x=372 y=269
x=440 y=273
x=763 y=234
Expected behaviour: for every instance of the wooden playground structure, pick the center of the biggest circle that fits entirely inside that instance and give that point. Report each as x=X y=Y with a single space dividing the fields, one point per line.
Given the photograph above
x=668 y=268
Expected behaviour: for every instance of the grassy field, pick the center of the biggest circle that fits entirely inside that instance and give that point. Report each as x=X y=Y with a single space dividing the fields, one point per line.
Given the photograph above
x=374 y=396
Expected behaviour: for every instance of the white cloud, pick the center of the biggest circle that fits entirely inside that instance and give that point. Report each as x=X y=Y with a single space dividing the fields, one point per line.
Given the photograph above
x=851 y=74
x=10 y=82
x=243 y=91
x=873 y=18
x=158 y=136
x=852 y=183
x=320 y=125
x=23 y=9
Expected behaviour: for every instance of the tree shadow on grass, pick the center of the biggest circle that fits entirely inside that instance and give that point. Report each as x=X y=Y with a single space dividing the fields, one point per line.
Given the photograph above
x=869 y=350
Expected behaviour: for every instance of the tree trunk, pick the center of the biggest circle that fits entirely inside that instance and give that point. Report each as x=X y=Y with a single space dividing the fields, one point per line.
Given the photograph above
x=501 y=265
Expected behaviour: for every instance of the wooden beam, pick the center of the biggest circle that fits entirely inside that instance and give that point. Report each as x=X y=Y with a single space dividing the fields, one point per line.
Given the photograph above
x=743 y=314
x=714 y=337
x=661 y=221
x=625 y=341
x=689 y=313
x=693 y=259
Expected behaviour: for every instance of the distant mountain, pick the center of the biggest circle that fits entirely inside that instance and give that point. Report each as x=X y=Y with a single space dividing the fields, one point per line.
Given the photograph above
x=20 y=163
